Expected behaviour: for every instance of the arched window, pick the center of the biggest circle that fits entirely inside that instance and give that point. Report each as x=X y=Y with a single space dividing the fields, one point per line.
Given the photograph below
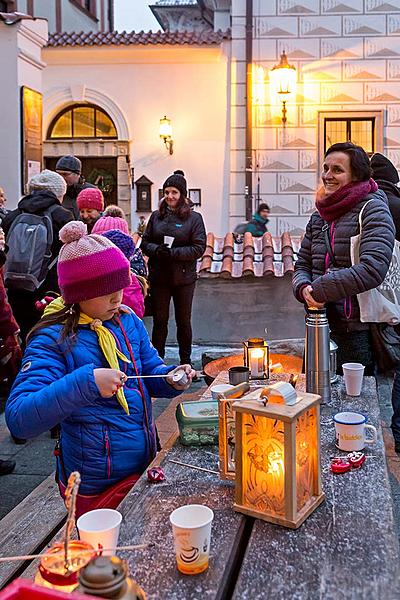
x=82 y=121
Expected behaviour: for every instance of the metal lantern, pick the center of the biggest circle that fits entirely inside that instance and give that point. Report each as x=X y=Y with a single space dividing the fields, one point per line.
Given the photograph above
x=256 y=357
x=277 y=460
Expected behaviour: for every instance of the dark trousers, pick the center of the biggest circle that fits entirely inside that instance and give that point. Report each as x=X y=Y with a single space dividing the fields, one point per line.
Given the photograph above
x=23 y=307
x=354 y=346
x=182 y=297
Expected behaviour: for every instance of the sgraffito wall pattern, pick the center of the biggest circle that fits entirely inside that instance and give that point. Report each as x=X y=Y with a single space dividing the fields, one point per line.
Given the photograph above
x=347 y=57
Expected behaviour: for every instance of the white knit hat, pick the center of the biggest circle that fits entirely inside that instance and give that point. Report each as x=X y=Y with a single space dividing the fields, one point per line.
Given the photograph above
x=50 y=181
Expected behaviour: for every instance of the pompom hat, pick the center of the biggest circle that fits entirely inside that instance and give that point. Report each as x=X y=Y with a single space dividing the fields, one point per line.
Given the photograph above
x=106 y=223
x=89 y=266
x=178 y=181
x=49 y=181
x=90 y=198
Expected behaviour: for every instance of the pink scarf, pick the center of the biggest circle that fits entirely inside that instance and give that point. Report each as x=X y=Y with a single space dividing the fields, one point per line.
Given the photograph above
x=335 y=205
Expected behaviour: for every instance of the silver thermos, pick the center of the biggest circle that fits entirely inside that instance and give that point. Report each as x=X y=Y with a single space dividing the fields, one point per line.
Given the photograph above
x=317 y=357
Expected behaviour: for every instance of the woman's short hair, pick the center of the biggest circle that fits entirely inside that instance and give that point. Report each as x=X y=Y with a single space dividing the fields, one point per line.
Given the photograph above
x=359 y=162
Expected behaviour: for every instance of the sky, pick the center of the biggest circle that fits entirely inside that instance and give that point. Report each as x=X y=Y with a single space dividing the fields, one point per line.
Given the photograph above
x=134 y=15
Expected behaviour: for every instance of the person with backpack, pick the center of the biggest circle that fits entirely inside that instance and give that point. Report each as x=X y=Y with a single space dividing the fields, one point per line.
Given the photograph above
x=70 y=168
x=32 y=246
x=80 y=369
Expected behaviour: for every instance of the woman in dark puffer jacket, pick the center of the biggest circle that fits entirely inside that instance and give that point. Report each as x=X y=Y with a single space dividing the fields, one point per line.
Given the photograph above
x=172 y=268
x=317 y=281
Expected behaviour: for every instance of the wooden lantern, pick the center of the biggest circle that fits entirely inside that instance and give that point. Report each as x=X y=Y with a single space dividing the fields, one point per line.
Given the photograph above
x=226 y=437
x=278 y=460
x=256 y=357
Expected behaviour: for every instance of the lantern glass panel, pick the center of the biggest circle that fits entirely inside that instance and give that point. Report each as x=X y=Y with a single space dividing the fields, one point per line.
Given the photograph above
x=263 y=464
x=306 y=456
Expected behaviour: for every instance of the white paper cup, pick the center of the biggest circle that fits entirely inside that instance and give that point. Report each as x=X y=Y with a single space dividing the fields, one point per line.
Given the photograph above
x=191 y=526
x=100 y=526
x=169 y=240
x=216 y=390
x=353 y=376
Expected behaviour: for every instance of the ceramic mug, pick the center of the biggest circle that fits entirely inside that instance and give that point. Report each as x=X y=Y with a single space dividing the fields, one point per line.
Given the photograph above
x=350 y=431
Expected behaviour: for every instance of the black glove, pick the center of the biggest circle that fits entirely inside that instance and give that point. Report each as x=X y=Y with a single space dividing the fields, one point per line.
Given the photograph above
x=163 y=253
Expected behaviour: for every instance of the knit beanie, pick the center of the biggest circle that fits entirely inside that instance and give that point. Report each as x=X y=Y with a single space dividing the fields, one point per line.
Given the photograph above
x=106 y=223
x=383 y=169
x=69 y=163
x=123 y=241
x=90 y=198
x=48 y=180
x=89 y=266
x=178 y=181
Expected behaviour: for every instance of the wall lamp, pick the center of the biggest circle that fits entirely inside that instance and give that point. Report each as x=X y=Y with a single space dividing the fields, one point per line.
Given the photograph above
x=166 y=134
x=283 y=79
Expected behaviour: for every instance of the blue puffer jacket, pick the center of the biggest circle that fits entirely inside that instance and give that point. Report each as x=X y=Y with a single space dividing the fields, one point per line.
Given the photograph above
x=56 y=385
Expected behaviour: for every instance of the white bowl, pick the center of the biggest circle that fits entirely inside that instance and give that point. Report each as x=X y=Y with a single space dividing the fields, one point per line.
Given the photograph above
x=220 y=389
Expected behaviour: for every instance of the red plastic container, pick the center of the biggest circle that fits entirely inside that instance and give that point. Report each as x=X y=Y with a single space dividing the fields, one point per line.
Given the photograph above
x=22 y=589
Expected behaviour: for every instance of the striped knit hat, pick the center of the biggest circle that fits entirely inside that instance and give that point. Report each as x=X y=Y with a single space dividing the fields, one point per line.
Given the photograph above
x=89 y=266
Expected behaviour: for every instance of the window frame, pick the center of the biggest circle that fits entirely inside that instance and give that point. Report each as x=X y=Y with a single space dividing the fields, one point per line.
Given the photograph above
x=353 y=115
x=80 y=4
x=71 y=108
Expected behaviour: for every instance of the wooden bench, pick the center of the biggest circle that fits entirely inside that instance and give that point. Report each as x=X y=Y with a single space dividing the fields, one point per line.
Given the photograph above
x=29 y=526
x=348 y=547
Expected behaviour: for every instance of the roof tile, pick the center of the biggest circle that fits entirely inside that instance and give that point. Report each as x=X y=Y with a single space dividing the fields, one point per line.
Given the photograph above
x=249 y=256
x=118 y=38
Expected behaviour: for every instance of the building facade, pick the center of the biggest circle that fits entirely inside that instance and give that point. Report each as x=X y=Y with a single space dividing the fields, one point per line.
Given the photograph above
x=105 y=93
x=66 y=15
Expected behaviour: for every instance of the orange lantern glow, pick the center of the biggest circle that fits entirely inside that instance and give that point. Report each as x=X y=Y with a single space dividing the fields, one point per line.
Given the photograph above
x=256 y=357
x=277 y=460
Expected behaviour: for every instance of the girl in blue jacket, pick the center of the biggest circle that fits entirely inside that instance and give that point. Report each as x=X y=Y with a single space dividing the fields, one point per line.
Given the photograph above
x=75 y=372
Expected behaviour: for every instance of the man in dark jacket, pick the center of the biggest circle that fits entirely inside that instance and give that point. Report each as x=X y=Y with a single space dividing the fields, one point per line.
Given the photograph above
x=258 y=225
x=386 y=176
x=70 y=168
x=46 y=192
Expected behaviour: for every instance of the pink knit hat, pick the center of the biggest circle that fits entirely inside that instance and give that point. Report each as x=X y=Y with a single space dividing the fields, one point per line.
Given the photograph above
x=89 y=266
x=107 y=223
x=90 y=198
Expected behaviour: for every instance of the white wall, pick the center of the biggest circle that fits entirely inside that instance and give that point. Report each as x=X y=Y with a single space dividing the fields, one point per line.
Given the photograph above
x=46 y=9
x=187 y=84
x=20 y=64
x=74 y=19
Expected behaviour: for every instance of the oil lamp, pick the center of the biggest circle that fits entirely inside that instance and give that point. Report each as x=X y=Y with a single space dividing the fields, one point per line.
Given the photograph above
x=277 y=460
x=256 y=357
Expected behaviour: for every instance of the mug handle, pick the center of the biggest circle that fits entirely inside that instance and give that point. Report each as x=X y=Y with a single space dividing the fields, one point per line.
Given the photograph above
x=374 y=435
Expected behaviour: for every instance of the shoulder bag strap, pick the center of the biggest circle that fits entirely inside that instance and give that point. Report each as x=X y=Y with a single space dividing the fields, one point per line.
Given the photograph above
x=325 y=230
x=361 y=213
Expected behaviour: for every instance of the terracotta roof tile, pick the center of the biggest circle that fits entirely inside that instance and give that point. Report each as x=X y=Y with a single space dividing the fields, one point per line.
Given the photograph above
x=118 y=38
x=251 y=257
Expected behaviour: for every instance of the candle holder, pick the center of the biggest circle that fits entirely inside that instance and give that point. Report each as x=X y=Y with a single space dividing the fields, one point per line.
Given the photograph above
x=256 y=357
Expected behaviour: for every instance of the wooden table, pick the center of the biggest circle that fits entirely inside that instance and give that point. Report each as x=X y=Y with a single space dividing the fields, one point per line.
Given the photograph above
x=346 y=549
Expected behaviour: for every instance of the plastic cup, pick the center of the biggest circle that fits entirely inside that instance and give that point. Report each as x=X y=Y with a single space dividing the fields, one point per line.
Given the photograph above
x=169 y=240
x=100 y=528
x=191 y=526
x=353 y=376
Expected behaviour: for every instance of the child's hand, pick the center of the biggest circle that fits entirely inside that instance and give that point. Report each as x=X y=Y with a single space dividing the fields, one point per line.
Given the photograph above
x=185 y=382
x=108 y=381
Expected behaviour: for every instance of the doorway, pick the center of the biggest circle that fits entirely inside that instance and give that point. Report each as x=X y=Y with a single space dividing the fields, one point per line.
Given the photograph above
x=101 y=171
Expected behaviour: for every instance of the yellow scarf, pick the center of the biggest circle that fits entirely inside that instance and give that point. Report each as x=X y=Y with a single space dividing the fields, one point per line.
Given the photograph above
x=106 y=341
